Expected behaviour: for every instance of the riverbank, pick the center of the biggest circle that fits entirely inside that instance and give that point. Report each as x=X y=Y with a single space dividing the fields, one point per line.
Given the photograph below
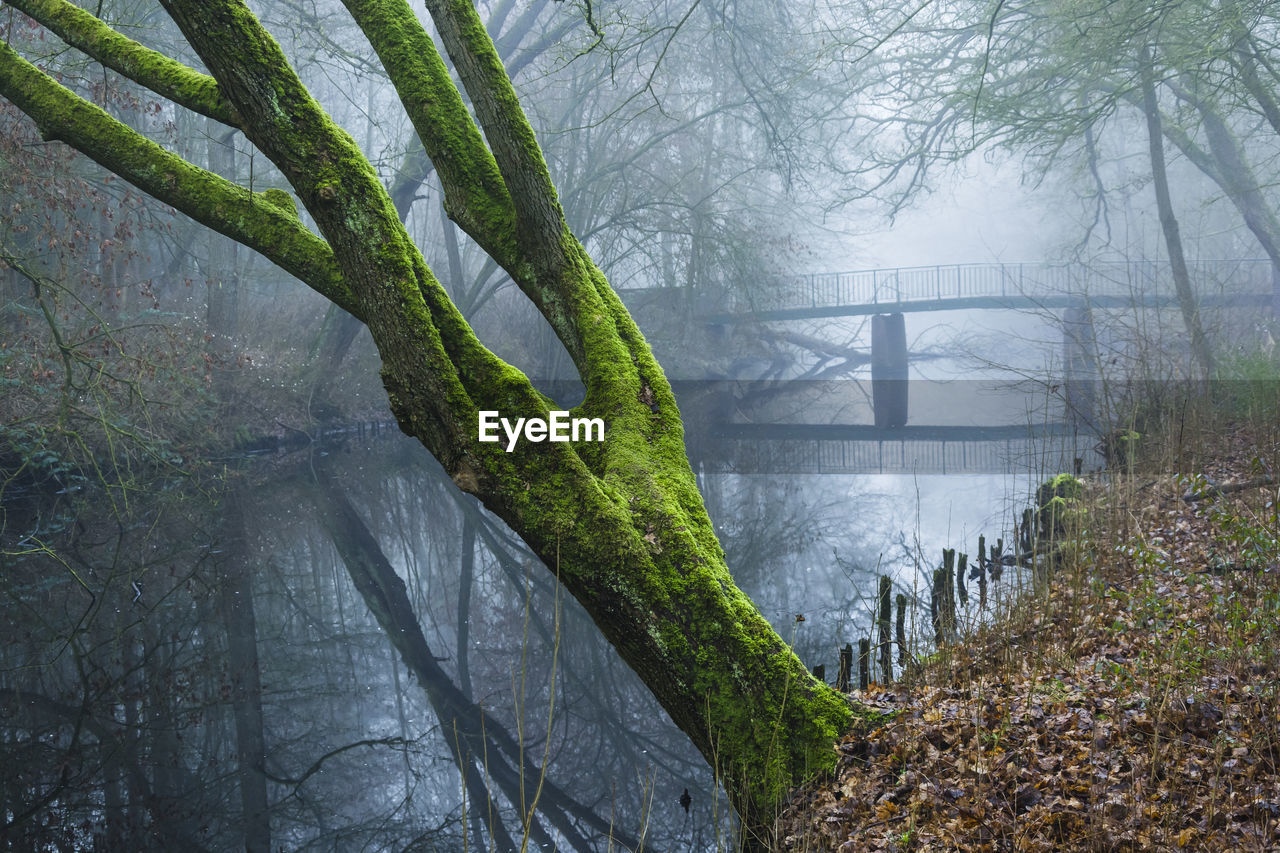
x=1132 y=703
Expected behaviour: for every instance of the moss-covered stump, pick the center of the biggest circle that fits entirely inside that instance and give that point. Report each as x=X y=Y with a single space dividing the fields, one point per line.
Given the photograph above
x=1058 y=508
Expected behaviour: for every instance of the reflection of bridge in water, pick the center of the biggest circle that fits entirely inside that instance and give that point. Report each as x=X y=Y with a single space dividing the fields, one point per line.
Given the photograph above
x=773 y=441
x=721 y=441
x=867 y=449
x=907 y=450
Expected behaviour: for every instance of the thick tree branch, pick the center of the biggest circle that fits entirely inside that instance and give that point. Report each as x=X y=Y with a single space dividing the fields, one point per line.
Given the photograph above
x=489 y=194
x=539 y=219
x=475 y=195
x=545 y=261
x=1232 y=172
x=161 y=74
x=265 y=222
x=432 y=361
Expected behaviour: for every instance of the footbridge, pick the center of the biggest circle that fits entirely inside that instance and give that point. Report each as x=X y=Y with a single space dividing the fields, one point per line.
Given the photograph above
x=1015 y=286
x=899 y=428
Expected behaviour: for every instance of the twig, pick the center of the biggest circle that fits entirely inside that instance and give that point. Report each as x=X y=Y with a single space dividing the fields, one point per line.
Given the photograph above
x=1229 y=488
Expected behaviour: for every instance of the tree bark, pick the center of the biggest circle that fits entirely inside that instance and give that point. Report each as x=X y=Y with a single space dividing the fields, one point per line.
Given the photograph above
x=1227 y=166
x=620 y=522
x=1243 y=188
x=1246 y=52
x=1187 y=302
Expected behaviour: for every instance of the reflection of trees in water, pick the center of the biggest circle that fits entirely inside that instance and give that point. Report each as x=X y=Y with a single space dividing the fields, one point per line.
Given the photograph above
x=139 y=720
x=610 y=745
x=144 y=721
x=127 y=687
x=801 y=545
x=483 y=749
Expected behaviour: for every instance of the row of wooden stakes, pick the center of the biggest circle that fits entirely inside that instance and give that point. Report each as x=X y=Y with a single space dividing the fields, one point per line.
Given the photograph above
x=948 y=587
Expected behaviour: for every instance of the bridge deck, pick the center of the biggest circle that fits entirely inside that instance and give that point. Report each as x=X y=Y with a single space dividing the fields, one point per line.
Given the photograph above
x=961 y=303
x=1021 y=286
x=1032 y=457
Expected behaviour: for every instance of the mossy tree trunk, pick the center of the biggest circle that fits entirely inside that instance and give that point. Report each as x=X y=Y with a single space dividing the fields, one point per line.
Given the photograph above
x=620 y=522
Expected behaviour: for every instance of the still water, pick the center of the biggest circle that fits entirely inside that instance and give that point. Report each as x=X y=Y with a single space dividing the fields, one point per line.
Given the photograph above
x=206 y=661
x=131 y=622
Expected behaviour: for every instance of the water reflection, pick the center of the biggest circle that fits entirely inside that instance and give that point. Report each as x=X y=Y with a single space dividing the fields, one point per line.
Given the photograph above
x=337 y=650
x=835 y=535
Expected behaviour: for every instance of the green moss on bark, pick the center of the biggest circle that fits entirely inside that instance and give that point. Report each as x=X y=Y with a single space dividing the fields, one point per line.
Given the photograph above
x=475 y=195
x=161 y=74
x=621 y=522
x=211 y=200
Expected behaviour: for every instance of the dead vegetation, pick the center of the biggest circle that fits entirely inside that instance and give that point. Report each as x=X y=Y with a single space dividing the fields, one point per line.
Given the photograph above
x=1131 y=703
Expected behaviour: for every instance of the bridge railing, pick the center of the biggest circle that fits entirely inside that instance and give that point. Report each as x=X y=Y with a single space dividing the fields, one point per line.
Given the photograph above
x=1024 y=280
x=1054 y=453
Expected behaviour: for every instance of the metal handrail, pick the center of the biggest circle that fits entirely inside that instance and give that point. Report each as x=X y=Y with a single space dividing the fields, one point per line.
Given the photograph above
x=897 y=285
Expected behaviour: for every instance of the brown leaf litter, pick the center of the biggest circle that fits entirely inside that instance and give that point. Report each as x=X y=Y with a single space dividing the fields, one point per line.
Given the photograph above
x=1135 y=706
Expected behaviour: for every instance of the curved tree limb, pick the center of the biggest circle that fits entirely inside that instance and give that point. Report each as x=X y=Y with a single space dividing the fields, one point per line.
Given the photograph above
x=539 y=219
x=161 y=74
x=260 y=221
x=475 y=195
x=620 y=520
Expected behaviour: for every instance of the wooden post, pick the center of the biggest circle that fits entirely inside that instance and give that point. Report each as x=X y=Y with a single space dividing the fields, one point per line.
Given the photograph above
x=961 y=568
x=902 y=629
x=935 y=616
x=845 y=672
x=886 y=647
x=820 y=672
x=948 y=596
x=864 y=663
x=938 y=604
x=982 y=573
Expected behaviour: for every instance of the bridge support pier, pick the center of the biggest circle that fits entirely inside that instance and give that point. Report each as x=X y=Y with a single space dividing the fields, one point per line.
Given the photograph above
x=1081 y=378
x=889 y=370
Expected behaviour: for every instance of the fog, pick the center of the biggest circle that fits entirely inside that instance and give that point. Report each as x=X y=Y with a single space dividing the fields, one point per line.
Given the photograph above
x=214 y=541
